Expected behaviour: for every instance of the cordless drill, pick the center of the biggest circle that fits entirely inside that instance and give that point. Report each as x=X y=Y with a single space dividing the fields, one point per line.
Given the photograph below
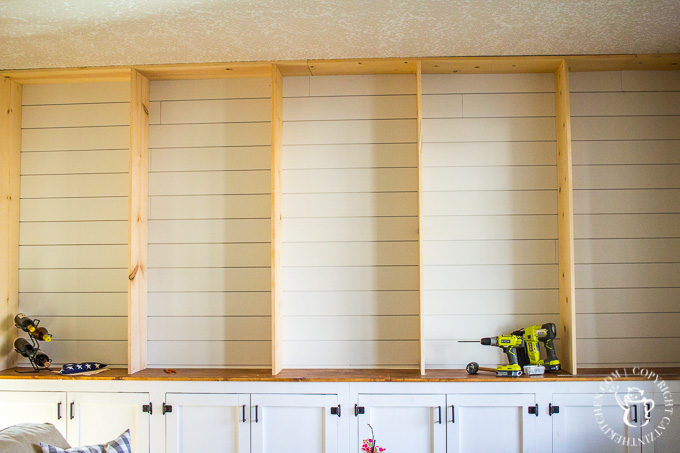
x=531 y=355
x=510 y=344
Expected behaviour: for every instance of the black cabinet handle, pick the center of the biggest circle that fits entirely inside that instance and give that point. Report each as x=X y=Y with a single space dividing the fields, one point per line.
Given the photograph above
x=635 y=413
x=439 y=409
x=243 y=412
x=71 y=408
x=256 y=409
x=453 y=414
x=59 y=410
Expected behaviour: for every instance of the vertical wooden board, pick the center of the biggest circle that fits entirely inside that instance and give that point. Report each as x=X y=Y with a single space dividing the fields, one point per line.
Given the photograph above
x=421 y=259
x=10 y=161
x=565 y=202
x=138 y=222
x=277 y=220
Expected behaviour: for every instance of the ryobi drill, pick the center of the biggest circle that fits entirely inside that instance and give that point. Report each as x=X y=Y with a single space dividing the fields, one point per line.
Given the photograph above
x=531 y=355
x=511 y=344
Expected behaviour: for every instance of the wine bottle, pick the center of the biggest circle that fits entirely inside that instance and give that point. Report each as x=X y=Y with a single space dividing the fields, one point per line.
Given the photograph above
x=41 y=334
x=41 y=359
x=23 y=347
x=23 y=322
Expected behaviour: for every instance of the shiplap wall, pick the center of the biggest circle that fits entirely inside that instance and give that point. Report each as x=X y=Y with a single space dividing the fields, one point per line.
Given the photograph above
x=73 y=224
x=626 y=152
x=490 y=211
x=350 y=251
x=209 y=223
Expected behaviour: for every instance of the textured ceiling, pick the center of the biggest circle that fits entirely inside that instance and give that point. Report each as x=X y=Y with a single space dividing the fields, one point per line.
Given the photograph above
x=68 y=33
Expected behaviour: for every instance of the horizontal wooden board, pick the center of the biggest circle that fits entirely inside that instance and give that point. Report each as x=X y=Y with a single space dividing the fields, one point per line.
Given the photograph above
x=218 y=303
x=75 y=115
x=488 y=129
x=209 y=207
x=349 y=328
x=363 y=229
x=483 y=302
x=624 y=104
x=626 y=176
x=203 y=159
x=455 y=252
x=541 y=276
x=627 y=300
x=436 y=179
x=209 y=255
x=646 y=275
x=627 y=226
x=371 y=155
x=349 y=132
x=490 y=203
x=362 y=85
x=626 y=152
x=65 y=209
x=74 y=304
x=650 y=80
x=209 y=231
x=208 y=279
x=86 y=328
x=62 y=233
x=112 y=353
x=350 y=303
x=76 y=93
x=72 y=256
x=508 y=105
x=216 y=111
x=210 y=182
x=75 y=138
x=349 y=108
x=167 y=354
x=75 y=162
x=72 y=280
x=169 y=90
x=490 y=227
x=350 y=354
x=488 y=83
x=358 y=278
x=209 y=328
x=442 y=106
x=218 y=134
x=349 y=254
x=628 y=325
x=580 y=82
x=475 y=154
x=73 y=186
x=475 y=327
x=350 y=204
x=637 y=201
x=601 y=251
x=625 y=128
x=631 y=351
x=350 y=180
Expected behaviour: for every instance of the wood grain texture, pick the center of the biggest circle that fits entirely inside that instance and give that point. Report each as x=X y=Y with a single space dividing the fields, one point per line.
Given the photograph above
x=276 y=241
x=421 y=252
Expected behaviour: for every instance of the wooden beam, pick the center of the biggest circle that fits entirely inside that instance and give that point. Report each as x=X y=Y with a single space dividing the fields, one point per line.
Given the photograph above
x=10 y=161
x=277 y=221
x=205 y=71
x=565 y=222
x=69 y=75
x=138 y=222
x=490 y=65
x=365 y=66
x=421 y=261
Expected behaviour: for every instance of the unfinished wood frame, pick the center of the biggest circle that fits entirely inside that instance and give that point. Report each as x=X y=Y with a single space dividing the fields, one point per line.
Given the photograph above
x=421 y=260
x=277 y=220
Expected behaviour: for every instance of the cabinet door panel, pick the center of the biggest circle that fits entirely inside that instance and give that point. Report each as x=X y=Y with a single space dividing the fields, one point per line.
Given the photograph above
x=33 y=407
x=662 y=432
x=205 y=422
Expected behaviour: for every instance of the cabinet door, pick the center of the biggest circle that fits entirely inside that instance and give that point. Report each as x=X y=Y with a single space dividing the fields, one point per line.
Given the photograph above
x=585 y=425
x=207 y=422
x=96 y=418
x=33 y=407
x=294 y=423
x=403 y=423
x=662 y=432
x=491 y=423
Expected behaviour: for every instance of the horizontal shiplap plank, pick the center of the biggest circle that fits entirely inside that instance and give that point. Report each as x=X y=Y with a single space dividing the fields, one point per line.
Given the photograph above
x=350 y=303
x=626 y=152
x=628 y=325
x=488 y=83
x=625 y=128
x=600 y=251
x=647 y=201
x=484 y=302
x=489 y=252
x=209 y=255
x=626 y=177
x=75 y=115
x=76 y=93
x=69 y=186
x=209 y=207
x=64 y=209
x=209 y=353
x=201 y=135
x=376 y=155
x=72 y=280
x=358 y=278
x=87 y=328
x=627 y=226
x=633 y=351
x=350 y=204
x=74 y=304
x=110 y=352
x=350 y=354
x=73 y=162
x=75 y=138
x=210 y=182
x=215 y=111
x=490 y=203
x=349 y=131
x=650 y=80
x=442 y=106
x=489 y=178
x=61 y=233
x=350 y=328
x=219 y=158
x=209 y=231
x=72 y=256
x=218 y=303
x=212 y=328
x=209 y=279
x=508 y=105
x=362 y=85
x=542 y=276
x=627 y=300
x=350 y=229
x=474 y=327
x=488 y=154
x=595 y=81
x=624 y=104
x=646 y=275
x=488 y=129
x=154 y=113
x=167 y=90
x=349 y=253
x=490 y=227
x=350 y=180
x=349 y=108
x=295 y=86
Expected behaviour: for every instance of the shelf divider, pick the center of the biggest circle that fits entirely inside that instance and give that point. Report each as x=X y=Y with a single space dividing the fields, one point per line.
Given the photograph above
x=421 y=263
x=277 y=221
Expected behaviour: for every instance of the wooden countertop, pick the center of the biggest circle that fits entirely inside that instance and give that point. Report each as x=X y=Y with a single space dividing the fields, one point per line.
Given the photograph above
x=332 y=375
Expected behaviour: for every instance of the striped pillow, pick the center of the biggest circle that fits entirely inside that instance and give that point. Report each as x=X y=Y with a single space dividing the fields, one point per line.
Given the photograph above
x=119 y=445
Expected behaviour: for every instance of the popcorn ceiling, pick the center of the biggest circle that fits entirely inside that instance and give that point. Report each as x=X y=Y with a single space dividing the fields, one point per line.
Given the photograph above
x=70 y=33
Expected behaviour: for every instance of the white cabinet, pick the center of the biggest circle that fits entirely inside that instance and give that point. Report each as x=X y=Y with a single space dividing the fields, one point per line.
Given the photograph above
x=662 y=432
x=491 y=423
x=403 y=423
x=293 y=423
x=33 y=407
x=207 y=422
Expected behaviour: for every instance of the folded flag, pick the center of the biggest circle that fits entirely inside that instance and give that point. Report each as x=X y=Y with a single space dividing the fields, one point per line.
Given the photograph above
x=84 y=367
